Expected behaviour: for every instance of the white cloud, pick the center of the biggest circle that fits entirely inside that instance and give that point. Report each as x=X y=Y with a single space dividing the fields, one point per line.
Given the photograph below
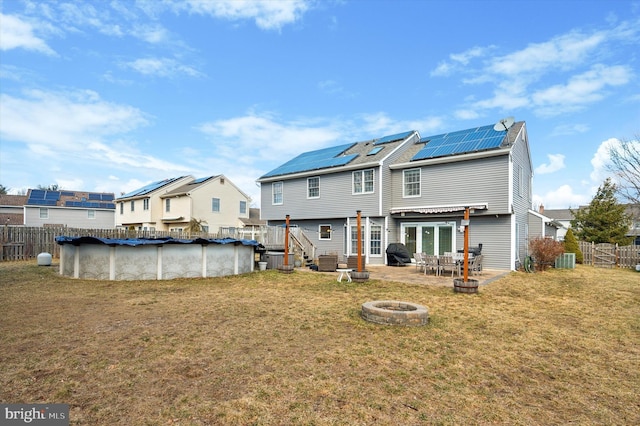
x=561 y=198
x=581 y=89
x=16 y=33
x=64 y=120
x=570 y=129
x=162 y=67
x=268 y=15
x=556 y=162
x=552 y=77
x=600 y=160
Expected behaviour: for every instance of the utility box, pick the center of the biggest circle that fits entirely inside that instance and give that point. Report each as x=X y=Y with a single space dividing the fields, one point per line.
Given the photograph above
x=276 y=258
x=566 y=261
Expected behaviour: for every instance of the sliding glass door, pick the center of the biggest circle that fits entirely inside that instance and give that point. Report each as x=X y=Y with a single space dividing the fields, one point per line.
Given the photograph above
x=429 y=238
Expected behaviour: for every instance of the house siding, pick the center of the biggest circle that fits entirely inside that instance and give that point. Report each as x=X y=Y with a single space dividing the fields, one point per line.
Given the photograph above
x=72 y=217
x=482 y=180
x=521 y=195
x=336 y=198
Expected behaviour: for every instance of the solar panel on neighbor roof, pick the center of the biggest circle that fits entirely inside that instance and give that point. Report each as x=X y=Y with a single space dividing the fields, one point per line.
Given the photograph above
x=314 y=160
x=460 y=142
x=200 y=180
x=146 y=189
x=393 y=138
x=37 y=194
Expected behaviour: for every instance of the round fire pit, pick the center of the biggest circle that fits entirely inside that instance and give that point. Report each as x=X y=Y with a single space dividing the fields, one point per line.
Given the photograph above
x=393 y=312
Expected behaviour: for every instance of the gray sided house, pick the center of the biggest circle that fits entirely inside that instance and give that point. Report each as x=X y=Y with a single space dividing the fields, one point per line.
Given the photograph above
x=412 y=190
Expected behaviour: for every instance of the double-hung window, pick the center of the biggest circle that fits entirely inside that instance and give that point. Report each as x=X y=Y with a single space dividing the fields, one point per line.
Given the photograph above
x=411 y=183
x=276 y=188
x=362 y=181
x=243 y=207
x=313 y=187
x=145 y=204
x=167 y=205
x=215 y=205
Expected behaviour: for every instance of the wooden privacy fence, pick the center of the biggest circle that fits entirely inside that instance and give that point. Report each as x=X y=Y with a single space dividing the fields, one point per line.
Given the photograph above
x=610 y=255
x=24 y=243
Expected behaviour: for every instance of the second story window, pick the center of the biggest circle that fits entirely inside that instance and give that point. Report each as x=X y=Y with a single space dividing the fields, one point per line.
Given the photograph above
x=44 y=213
x=362 y=181
x=121 y=208
x=145 y=204
x=133 y=206
x=215 y=205
x=243 y=207
x=277 y=197
x=411 y=183
x=313 y=187
x=91 y=214
x=167 y=205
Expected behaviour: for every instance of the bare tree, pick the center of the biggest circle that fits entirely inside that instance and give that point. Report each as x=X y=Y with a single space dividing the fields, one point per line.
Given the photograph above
x=625 y=165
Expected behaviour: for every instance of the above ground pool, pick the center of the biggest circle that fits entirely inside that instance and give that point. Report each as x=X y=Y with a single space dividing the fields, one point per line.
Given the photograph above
x=154 y=258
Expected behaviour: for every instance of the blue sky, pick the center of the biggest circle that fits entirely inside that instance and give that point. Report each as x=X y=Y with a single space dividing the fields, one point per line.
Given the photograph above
x=111 y=95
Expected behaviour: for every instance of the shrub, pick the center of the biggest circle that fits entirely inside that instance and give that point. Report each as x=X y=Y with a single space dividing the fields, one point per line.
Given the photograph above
x=571 y=246
x=545 y=251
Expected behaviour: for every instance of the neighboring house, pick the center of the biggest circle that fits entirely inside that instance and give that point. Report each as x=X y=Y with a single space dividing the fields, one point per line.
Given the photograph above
x=564 y=217
x=410 y=190
x=561 y=216
x=12 y=209
x=170 y=204
x=253 y=224
x=75 y=209
x=541 y=226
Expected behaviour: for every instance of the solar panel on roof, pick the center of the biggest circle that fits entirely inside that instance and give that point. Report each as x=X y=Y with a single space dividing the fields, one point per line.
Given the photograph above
x=393 y=138
x=37 y=194
x=67 y=193
x=148 y=188
x=460 y=142
x=200 y=180
x=315 y=160
x=52 y=195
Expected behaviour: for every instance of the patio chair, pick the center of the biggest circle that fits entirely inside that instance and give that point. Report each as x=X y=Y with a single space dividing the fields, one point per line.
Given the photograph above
x=431 y=263
x=419 y=261
x=447 y=263
x=476 y=265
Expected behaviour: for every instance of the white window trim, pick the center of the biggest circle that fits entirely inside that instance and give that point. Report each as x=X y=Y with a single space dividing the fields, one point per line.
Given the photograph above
x=361 y=173
x=320 y=232
x=404 y=184
x=273 y=187
x=90 y=215
x=371 y=226
x=308 y=188
x=219 y=205
x=45 y=211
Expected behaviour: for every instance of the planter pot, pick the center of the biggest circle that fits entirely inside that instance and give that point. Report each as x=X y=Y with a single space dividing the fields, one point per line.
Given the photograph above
x=285 y=269
x=359 y=277
x=262 y=266
x=460 y=286
x=298 y=263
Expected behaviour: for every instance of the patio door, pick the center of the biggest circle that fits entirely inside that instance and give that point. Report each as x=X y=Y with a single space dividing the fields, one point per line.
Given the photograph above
x=429 y=238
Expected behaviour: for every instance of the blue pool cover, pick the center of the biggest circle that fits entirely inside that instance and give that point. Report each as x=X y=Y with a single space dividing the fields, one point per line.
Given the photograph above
x=152 y=241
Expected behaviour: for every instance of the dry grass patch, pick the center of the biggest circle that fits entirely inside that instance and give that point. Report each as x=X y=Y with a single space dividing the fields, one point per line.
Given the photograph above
x=267 y=348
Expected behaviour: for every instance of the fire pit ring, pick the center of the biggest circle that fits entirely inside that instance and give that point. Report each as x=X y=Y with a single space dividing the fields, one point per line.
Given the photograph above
x=393 y=312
